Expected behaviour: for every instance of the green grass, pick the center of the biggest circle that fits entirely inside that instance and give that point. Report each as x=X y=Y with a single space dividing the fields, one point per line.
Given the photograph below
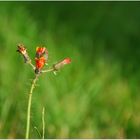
x=97 y=95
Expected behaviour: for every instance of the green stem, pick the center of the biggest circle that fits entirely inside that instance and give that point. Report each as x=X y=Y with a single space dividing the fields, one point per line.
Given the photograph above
x=43 y=123
x=32 y=65
x=29 y=107
x=49 y=70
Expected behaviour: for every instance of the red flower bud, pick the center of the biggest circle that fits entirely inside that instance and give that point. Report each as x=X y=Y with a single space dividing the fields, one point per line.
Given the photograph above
x=40 y=62
x=59 y=65
x=66 y=61
x=41 y=51
x=41 y=58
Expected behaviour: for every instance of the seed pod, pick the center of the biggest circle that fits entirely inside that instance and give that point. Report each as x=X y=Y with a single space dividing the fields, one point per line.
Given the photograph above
x=22 y=50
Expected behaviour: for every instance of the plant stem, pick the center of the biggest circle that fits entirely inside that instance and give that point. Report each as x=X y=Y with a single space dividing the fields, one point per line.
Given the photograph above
x=49 y=70
x=29 y=107
x=32 y=65
x=43 y=122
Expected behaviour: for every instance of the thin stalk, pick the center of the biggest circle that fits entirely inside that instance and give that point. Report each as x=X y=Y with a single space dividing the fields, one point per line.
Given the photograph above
x=43 y=123
x=32 y=65
x=37 y=131
x=29 y=107
x=49 y=70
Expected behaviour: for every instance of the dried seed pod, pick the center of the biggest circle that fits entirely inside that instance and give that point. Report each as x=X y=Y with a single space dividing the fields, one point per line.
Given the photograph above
x=22 y=50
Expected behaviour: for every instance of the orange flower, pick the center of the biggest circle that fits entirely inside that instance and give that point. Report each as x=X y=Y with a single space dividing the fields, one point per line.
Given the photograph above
x=59 y=65
x=41 y=51
x=41 y=58
x=40 y=62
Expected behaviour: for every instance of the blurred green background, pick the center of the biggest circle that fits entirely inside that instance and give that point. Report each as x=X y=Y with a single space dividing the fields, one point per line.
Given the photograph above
x=97 y=95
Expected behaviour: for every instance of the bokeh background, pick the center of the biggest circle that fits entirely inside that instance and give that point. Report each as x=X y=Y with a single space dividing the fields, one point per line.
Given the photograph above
x=97 y=95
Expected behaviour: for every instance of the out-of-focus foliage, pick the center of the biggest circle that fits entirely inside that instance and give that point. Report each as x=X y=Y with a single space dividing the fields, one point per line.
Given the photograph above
x=97 y=96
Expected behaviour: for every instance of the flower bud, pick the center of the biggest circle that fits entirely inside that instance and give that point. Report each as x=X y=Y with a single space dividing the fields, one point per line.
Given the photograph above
x=59 y=65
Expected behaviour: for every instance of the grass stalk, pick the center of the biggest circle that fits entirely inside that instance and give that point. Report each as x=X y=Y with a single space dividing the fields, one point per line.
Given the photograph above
x=29 y=107
x=43 y=123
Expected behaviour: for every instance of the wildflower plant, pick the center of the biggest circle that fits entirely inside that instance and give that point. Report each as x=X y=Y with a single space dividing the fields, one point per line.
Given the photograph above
x=41 y=58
